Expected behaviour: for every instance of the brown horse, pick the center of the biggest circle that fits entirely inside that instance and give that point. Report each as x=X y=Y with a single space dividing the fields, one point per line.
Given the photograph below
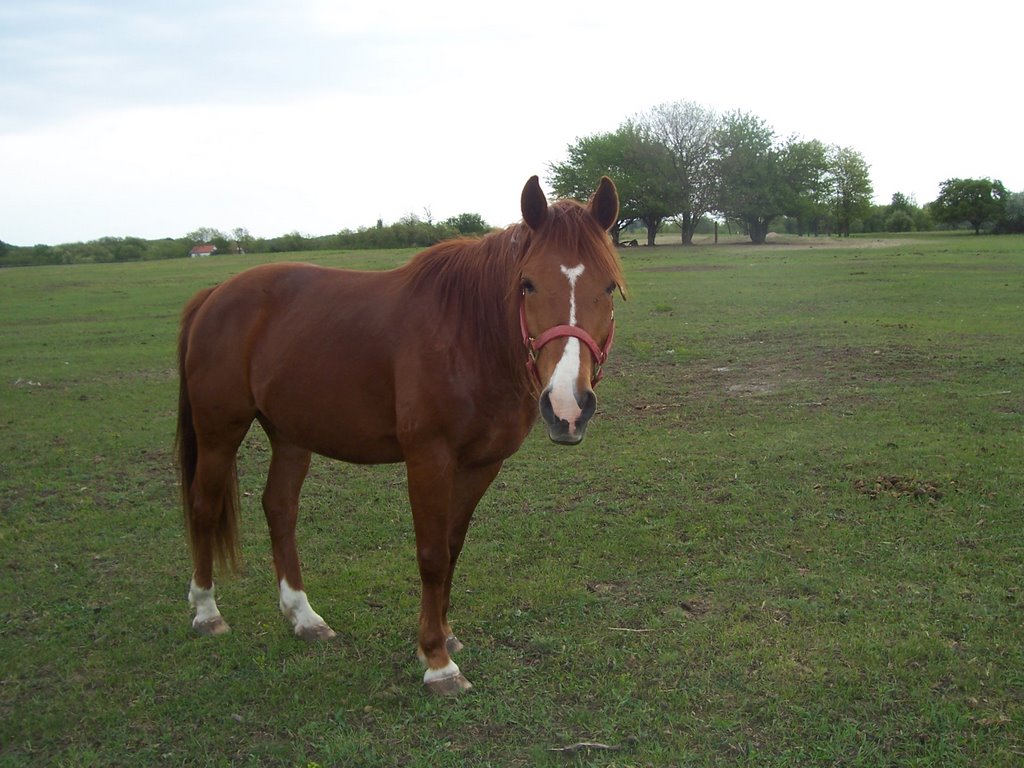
x=422 y=364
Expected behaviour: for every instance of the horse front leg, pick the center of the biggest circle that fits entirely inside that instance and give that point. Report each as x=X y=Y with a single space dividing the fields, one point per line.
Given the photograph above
x=288 y=467
x=469 y=487
x=431 y=488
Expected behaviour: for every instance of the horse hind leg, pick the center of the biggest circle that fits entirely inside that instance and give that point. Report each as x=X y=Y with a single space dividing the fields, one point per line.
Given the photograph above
x=288 y=467
x=213 y=528
x=207 y=619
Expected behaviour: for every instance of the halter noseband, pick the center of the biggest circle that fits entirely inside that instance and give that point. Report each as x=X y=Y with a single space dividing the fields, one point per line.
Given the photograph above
x=534 y=344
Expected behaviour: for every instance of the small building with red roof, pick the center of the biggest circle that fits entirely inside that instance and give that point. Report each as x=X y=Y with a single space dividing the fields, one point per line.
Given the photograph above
x=202 y=250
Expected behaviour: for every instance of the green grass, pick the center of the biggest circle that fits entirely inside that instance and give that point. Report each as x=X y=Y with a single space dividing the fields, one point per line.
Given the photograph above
x=792 y=537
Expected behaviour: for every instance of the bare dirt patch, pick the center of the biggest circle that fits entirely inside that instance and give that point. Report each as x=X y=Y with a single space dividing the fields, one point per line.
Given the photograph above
x=898 y=486
x=810 y=376
x=795 y=242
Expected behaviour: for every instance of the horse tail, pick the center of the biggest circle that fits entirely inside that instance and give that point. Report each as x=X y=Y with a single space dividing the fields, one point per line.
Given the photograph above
x=224 y=531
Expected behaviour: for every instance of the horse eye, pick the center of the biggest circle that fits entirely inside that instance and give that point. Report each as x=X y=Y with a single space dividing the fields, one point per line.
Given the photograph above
x=527 y=285
x=611 y=288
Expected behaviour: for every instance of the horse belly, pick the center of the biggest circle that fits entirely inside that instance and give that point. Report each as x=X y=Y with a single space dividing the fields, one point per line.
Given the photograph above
x=356 y=429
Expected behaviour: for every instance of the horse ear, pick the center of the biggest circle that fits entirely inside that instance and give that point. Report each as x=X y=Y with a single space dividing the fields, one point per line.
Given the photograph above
x=604 y=205
x=534 y=204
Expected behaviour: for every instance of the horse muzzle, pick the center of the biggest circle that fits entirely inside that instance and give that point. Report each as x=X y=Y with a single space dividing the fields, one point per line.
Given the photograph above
x=566 y=418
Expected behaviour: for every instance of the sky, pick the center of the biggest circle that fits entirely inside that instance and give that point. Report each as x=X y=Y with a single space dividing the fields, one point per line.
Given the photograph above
x=151 y=119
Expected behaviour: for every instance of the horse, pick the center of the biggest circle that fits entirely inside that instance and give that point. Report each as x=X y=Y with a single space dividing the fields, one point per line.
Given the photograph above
x=443 y=364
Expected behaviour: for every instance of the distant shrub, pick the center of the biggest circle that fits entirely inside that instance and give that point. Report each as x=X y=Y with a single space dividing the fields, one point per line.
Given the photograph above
x=899 y=221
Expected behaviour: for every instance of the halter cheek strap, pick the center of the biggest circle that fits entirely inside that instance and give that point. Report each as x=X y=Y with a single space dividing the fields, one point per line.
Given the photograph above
x=534 y=344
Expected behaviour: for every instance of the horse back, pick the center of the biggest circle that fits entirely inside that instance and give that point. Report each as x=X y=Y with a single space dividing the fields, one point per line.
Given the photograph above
x=348 y=364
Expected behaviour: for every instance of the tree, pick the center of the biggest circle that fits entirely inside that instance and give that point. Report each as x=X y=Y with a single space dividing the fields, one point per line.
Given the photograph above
x=468 y=224
x=900 y=202
x=653 y=193
x=761 y=179
x=898 y=216
x=241 y=240
x=629 y=161
x=973 y=200
x=805 y=169
x=687 y=131
x=1013 y=216
x=589 y=159
x=851 y=186
x=751 y=188
x=205 y=235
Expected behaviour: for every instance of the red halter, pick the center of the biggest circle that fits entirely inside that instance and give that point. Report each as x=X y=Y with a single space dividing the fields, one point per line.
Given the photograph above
x=534 y=344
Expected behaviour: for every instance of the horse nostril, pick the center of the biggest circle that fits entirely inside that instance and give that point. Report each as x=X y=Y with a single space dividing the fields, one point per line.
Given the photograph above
x=588 y=405
x=547 y=411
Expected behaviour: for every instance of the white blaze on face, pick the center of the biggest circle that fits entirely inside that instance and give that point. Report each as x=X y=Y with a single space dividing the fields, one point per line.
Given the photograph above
x=572 y=275
x=563 y=379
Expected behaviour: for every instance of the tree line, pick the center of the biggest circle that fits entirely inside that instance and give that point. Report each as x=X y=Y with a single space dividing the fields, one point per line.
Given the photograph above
x=411 y=231
x=962 y=203
x=680 y=162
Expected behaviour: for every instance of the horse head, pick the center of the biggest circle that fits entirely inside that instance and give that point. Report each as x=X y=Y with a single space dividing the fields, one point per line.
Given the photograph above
x=568 y=279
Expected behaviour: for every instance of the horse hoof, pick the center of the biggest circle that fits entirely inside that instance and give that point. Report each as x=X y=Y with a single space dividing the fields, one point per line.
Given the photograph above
x=449 y=686
x=210 y=627
x=453 y=645
x=316 y=633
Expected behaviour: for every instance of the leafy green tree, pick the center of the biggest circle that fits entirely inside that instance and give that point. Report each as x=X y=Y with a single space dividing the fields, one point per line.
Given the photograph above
x=761 y=179
x=241 y=240
x=976 y=201
x=900 y=202
x=805 y=169
x=851 y=186
x=637 y=165
x=900 y=215
x=205 y=235
x=590 y=158
x=654 y=195
x=468 y=224
x=752 y=189
x=1013 y=217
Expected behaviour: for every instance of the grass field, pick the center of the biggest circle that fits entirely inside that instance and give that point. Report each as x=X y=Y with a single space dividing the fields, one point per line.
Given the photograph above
x=793 y=536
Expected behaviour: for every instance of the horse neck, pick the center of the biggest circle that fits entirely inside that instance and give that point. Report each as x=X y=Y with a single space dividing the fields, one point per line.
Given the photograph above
x=471 y=280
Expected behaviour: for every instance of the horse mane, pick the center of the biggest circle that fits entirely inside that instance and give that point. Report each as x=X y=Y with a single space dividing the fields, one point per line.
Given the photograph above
x=472 y=278
x=474 y=282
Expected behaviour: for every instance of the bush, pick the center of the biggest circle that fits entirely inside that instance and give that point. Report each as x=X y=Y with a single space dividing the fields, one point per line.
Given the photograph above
x=899 y=221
